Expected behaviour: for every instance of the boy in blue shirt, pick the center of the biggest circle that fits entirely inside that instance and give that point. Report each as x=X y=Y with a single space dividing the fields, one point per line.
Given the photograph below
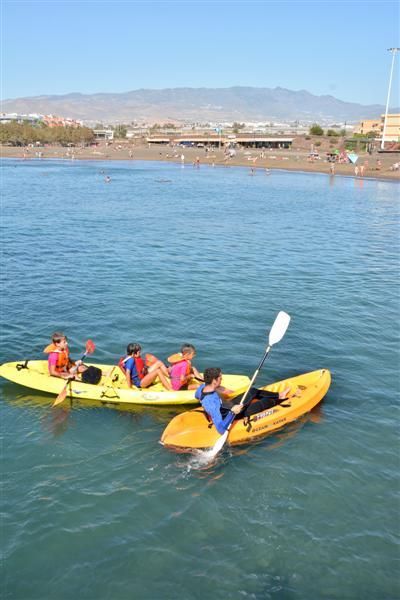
x=141 y=372
x=211 y=401
x=221 y=416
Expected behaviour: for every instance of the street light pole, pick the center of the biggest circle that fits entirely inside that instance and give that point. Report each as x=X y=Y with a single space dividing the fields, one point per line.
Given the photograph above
x=394 y=52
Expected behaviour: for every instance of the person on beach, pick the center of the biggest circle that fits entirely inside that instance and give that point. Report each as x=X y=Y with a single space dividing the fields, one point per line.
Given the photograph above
x=142 y=373
x=59 y=361
x=208 y=395
x=182 y=371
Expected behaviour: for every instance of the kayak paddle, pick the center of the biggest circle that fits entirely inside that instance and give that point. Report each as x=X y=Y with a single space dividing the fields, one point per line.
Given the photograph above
x=90 y=348
x=276 y=333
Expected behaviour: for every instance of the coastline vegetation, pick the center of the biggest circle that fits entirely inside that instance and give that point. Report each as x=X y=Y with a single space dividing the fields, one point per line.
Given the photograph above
x=22 y=134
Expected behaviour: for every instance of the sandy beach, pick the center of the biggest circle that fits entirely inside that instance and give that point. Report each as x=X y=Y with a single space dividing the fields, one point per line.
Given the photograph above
x=377 y=165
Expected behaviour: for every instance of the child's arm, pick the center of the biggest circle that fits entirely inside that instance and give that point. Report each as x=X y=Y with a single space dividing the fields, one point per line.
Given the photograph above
x=196 y=374
x=52 y=364
x=128 y=378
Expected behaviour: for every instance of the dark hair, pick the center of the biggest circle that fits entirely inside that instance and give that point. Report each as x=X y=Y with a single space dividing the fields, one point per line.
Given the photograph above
x=210 y=374
x=57 y=337
x=186 y=348
x=133 y=348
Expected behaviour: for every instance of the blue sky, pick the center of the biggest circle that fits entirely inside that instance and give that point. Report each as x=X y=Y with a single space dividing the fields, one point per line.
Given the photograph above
x=337 y=48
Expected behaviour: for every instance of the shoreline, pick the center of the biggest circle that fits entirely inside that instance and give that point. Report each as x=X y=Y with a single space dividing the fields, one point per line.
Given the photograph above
x=371 y=167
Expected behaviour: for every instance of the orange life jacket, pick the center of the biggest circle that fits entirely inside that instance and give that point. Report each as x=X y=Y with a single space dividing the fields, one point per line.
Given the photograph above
x=63 y=361
x=175 y=358
x=150 y=359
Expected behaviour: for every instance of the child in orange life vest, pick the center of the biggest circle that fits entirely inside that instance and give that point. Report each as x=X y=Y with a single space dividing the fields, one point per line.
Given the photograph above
x=59 y=362
x=142 y=373
x=182 y=370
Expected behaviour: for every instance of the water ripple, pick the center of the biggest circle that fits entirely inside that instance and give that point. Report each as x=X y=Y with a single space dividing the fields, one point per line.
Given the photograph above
x=90 y=493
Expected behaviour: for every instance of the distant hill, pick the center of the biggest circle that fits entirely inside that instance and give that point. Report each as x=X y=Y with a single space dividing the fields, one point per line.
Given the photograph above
x=198 y=104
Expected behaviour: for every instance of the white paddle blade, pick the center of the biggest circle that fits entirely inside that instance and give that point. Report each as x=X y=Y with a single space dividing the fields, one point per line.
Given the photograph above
x=219 y=444
x=279 y=327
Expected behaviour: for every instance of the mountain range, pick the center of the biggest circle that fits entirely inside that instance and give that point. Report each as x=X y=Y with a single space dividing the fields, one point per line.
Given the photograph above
x=197 y=105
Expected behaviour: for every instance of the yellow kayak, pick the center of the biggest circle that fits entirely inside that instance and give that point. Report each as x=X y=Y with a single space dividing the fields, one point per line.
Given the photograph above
x=112 y=388
x=192 y=429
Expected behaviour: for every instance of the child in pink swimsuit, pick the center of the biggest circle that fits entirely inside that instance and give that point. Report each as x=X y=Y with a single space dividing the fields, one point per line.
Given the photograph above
x=182 y=370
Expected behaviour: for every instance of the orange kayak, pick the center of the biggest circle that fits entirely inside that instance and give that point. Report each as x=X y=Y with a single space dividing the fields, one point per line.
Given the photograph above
x=192 y=429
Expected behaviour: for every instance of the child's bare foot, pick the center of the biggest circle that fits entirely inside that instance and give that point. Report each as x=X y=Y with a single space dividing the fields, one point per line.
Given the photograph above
x=284 y=394
x=297 y=393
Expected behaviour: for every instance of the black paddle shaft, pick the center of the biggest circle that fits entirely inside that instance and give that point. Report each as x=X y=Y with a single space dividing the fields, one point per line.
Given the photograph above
x=255 y=374
x=263 y=359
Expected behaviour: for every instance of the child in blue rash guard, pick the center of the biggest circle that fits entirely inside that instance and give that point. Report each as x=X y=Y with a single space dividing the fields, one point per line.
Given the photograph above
x=211 y=401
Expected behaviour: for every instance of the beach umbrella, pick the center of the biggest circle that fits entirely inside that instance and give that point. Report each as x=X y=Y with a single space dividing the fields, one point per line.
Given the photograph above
x=353 y=158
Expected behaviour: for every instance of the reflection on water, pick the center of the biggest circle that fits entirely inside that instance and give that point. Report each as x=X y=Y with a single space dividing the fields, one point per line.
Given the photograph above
x=56 y=421
x=359 y=183
x=34 y=398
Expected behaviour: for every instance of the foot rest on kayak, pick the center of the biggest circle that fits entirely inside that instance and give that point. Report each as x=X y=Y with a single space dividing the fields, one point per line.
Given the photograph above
x=20 y=366
x=106 y=394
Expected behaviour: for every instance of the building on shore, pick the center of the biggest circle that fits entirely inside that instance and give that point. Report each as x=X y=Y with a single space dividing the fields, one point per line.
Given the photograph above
x=49 y=120
x=392 y=130
x=261 y=141
x=103 y=134
x=218 y=141
x=54 y=121
x=368 y=126
x=376 y=126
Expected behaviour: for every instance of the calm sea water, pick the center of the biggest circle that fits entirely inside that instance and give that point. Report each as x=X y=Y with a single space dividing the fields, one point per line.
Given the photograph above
x=92 y=506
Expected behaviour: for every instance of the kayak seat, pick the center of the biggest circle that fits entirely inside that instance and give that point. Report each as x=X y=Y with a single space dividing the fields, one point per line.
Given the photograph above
x=259 y=400
x=209 y=420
